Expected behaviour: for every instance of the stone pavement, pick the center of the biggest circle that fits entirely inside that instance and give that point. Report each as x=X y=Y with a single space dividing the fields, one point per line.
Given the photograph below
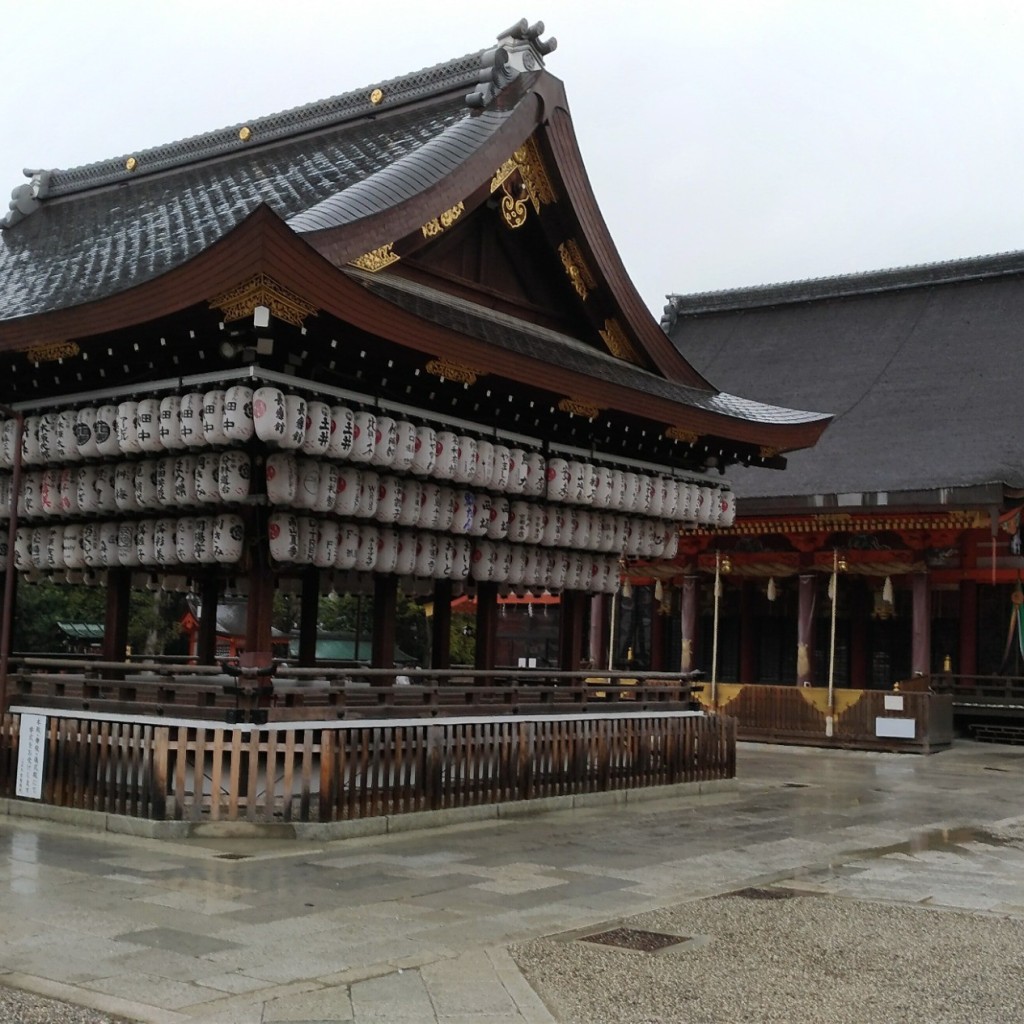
x=414 y=926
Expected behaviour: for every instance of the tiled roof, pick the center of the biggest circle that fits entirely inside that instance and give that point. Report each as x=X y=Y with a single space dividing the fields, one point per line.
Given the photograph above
x=560 y=350
x=101 y=229
x=925 y=382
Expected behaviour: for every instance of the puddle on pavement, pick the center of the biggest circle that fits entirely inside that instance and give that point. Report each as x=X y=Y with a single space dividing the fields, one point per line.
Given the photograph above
x=939 y=839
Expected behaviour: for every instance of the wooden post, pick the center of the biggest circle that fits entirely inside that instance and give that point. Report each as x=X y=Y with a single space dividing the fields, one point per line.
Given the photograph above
x=385 y=606
x=807 y=598
x=309 y=613
x=598 y=634
x=657 y=637
x=689 y=622
x=486 y=626
x=748 y=653
x=968 y=628
x=860 y=610
x=206 y=638
x=115 y=624
x=570 y=630
x=441 y=628
x=921 y=636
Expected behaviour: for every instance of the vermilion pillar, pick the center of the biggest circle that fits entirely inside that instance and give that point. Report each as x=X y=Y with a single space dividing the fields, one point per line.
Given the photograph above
x=807 y=598
x=921 y=645
x=690 y=622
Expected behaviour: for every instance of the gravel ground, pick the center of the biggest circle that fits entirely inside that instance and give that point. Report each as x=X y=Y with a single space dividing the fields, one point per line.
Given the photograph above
x=799 y=960
x=17 y=1007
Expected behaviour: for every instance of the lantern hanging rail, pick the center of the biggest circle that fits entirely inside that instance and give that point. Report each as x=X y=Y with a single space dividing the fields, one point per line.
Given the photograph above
x=256 y=374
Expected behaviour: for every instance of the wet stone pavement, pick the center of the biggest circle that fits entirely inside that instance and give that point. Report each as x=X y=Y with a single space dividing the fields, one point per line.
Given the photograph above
x=444 y=924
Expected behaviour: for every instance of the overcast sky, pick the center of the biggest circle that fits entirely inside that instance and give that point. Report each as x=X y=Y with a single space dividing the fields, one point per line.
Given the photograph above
x=729 y=142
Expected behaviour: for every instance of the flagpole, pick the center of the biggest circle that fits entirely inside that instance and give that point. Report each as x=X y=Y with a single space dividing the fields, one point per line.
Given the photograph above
x=714 y=636
x=830 y=717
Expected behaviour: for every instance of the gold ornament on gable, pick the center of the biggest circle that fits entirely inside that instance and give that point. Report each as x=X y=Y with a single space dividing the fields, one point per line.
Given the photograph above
x=376 y=259
x=447 y=369
x=618 y=344
x=263 y=290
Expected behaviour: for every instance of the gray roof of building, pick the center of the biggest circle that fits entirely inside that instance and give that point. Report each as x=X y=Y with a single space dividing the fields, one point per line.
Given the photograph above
x=510 y=333
x=924 y=379
x=94 y=231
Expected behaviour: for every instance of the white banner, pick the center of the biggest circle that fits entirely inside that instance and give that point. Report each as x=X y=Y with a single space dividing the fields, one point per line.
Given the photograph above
x=31 y=756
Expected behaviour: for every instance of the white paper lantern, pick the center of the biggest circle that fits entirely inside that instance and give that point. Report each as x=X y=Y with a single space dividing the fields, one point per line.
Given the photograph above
x=463 y=551
x=52 y=550
x=518 y=558
x=207 y=474
x=497 y=527
x=67 y=444
x=387 y=551
x=308 y=483
x=49 y=492
x=447 y=452
x=483 y=560
x=518 y=522
x=146 y=493
x=326 y=544
x=369 y=494
x=342 y=432
x=46 y=431
x=634 y=487
x=234 y=476
x=107 y=536
x=538 y=523
x=71 y=542
x=23 y=549
x=467 y=459
x=347 y=495
x=105 y=431
x=483 y=507
x=282 y=473
x=213 y=417
x=426 y=555
x=672 y=490
x=238 y=422
x=148 y=425
x=726 y=507
x=165 y=481
x=327 y=487
x=536 y=567
x=554 y=527
x=536 y=475
x=405 y=561
x=444 y=564
x=558 y=570
x=389 y=500
x=283 y=535
x=7 y=432
x=705 y=505
x=502 y=469
x=364 y=436
x=228 y=538
x=295 y=422
x=518 y=470
x=412 y=501
x=127 y=426
x=425 y=458
x=125 y=498
x=127 y=544
x=309 y=537
x=145 y=543
x=318 y=429
x=366 y=559
x=30 y=454
x=448 y=501
x=348 y=546
x=430 y=504
x=165 y=541
x=385 y=441
x=185 y=481
x=203 y=539
x=465 y=510
x=405 y=446
x=670 y=546
x=270 y=416
x=170 y=423
x=483 y=478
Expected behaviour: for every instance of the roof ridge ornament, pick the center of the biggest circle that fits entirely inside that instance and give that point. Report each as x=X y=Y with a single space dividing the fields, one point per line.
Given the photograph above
x=519 y=50
x=26 y=198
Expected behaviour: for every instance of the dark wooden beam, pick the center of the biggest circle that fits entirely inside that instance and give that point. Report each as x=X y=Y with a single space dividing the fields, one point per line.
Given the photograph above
x=385 y=607
x=206 y=638
x=441 y=626
x=115 y=623
x=309 y=613
x=486 y=625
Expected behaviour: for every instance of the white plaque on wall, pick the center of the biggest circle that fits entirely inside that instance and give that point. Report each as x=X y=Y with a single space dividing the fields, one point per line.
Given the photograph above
x=896 y=728
x=894 y=702
x=31 y=756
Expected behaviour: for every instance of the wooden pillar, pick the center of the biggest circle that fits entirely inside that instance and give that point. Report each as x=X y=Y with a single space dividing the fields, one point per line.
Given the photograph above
x=921 y=637
x=570 y=630
x=657 y=638
x=441 y=626
x=597 y=644
x=115 y=624
x=385 y=607
x=748 y=652
x=309 y=614
x=860 y=612
x=206 y=635
x=806 y=600
x=486 y=626
x=690 y=623
x=968 y=628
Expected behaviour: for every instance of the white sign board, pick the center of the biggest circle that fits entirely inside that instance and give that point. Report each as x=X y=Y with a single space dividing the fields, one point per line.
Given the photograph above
x=31 y=756
x=894 y=702
x=896 y=728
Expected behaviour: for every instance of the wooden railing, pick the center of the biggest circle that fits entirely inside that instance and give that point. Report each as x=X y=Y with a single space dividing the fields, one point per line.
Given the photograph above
x=287 y=693
x=983 y=695
x=860 y=719
x=335 y=771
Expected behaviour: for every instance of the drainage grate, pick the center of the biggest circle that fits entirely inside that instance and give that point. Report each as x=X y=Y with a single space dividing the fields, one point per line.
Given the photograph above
x=635 y=938
x=753 y=893
x=795 y=785
x=233 y=856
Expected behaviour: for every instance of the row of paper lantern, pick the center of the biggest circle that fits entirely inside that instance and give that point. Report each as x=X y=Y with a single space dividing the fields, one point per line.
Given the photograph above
x=198 y=540
x=305 y=540
x=221 y=418
x=190 y=481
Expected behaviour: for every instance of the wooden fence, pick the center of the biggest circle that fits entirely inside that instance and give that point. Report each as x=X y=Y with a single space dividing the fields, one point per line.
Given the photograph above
x=332 y=771
x=920 y=722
